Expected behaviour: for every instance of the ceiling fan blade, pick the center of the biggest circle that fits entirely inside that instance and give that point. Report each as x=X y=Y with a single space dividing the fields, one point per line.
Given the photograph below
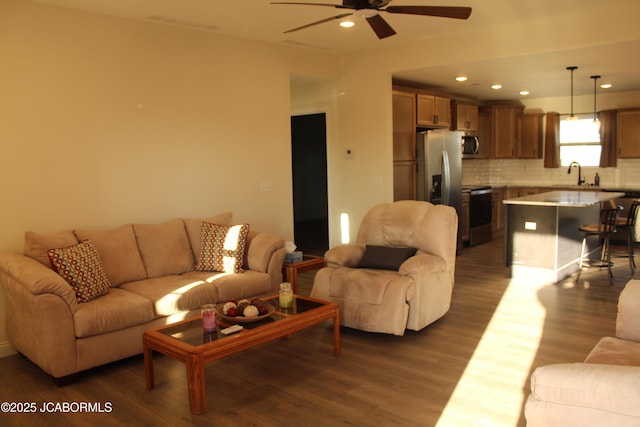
x=380 y=26
x=442 y=11
x=322 y=21
x=337 y=6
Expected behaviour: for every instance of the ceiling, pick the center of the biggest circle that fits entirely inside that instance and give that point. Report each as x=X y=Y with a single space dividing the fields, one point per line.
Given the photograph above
x=543 y=75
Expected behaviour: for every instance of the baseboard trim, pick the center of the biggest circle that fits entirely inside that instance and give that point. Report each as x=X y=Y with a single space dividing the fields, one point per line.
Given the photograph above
x=6 y=349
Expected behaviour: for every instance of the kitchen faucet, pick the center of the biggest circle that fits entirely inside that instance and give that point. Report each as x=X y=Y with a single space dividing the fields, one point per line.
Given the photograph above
x=580 y=180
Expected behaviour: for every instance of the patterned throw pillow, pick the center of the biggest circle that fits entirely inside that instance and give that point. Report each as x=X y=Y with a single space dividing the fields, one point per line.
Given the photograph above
x=222 y=247
x=81 y=266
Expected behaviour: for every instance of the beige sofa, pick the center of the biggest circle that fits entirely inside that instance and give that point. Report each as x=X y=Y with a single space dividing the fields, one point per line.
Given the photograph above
x=151 y=269
x=602 y=391
x=380 y=287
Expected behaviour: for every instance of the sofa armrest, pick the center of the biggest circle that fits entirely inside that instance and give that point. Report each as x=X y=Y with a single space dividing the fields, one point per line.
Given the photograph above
x=35 y=278
x=260 y=249
x=628 y=320
x=611 y=388
x=344 y=256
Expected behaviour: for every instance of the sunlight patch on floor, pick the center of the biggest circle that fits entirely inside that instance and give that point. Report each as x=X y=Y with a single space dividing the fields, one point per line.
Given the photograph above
x=491 y=390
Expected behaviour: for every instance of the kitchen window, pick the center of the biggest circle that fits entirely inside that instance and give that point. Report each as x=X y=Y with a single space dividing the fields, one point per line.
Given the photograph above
x=580 y=141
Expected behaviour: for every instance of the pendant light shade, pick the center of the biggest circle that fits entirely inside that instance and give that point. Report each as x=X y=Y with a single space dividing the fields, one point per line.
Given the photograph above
x=595 y=111
x=572 y=69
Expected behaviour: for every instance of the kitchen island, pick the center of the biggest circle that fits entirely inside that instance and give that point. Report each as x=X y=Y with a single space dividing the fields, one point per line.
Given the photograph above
x=542 y=239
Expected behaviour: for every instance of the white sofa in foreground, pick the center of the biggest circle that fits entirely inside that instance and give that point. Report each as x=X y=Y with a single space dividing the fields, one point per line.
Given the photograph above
x=602 y=391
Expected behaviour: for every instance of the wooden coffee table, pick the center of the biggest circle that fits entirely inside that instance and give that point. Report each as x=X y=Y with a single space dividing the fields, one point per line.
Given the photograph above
x=187 y=342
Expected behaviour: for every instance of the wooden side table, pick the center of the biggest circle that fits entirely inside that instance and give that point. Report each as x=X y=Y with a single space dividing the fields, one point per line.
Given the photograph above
x=309 y=262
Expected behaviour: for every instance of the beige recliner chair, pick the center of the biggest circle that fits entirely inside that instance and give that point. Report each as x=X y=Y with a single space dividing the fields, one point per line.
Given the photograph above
x=400 y=272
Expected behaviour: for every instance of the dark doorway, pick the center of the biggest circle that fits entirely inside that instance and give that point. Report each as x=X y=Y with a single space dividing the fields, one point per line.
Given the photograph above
x=309 y=168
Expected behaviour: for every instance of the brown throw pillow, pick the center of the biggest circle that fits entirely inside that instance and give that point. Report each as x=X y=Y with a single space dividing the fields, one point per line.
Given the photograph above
x=81 y=266
x=385 y=257
x=222 y=247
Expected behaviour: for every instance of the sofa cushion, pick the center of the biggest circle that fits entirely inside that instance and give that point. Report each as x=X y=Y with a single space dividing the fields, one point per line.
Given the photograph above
x=119 y=252
x=164 y=248
x=117 y=310
x=37 y=245
x=385 y=257
x=173 y=294
x=235 y=286
x=194 y=228
x=80 y=265
x=222 y=247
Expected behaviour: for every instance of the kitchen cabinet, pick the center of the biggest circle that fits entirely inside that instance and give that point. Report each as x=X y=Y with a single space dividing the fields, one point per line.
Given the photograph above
x=529 y=141
x=504 y=131
x=464 y=217
x=484 y=134
x=628 y=133
x=465 y=117
x=433 y=111
x=404 y=145
x=404 y=126
x=497 y=212
x=404 y=180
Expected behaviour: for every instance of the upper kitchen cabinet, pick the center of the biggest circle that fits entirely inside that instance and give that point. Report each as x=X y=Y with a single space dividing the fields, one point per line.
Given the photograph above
x=484 y=133
x=465 y=117
x=629 y=133
x=529 y=142
x=433 y=111
x=404 y=126
x=404 y=145
x=504 y=131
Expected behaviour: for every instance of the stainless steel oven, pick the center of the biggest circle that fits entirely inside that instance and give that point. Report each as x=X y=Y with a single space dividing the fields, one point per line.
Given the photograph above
x=480 y=201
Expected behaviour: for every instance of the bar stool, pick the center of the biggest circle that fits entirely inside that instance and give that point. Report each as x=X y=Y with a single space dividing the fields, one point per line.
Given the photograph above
x=628 y=224
x=604 y=229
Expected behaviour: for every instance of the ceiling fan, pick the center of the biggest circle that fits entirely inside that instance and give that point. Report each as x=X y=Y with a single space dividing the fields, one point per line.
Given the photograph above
x=369 y=9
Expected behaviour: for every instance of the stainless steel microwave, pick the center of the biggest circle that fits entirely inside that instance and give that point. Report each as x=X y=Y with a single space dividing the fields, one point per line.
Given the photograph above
x=470 y=146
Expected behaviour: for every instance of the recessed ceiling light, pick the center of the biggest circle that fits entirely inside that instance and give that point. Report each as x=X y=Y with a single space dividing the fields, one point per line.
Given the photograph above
x=461 y=78
x=496 y=86
x=605 y=85
x=347 y=24
x=524 y=92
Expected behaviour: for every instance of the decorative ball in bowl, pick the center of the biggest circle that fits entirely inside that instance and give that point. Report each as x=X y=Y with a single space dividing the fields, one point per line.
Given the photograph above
x=244 y=310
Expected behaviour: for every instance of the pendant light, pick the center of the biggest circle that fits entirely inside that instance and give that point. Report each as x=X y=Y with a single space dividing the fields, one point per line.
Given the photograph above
x=595 y=113
x=572 y=69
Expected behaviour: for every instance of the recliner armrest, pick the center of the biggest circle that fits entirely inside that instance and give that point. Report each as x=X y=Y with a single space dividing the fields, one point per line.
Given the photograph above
x=423 y=263
x=344 y=256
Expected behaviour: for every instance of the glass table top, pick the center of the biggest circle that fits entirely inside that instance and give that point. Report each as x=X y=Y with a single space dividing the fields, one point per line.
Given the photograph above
x=190 y=331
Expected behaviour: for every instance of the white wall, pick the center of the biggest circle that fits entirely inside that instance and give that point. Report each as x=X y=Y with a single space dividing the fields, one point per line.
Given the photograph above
x=106 y=121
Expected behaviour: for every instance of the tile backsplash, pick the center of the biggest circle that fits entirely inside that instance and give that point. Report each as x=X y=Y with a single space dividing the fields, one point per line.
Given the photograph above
x=532 y=172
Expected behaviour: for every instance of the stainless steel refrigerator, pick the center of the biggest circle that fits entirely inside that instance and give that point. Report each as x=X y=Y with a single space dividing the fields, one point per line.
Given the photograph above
x=439 y=169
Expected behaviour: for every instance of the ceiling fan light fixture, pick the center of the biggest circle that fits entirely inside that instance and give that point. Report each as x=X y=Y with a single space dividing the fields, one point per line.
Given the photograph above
x=365 y=13
x=572 y=69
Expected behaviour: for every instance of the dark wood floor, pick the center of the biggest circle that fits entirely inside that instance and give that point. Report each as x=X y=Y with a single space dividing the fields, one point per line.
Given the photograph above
x=470 y=368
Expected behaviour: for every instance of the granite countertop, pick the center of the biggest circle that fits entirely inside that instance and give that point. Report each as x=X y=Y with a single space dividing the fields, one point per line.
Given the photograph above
x=565 y=198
